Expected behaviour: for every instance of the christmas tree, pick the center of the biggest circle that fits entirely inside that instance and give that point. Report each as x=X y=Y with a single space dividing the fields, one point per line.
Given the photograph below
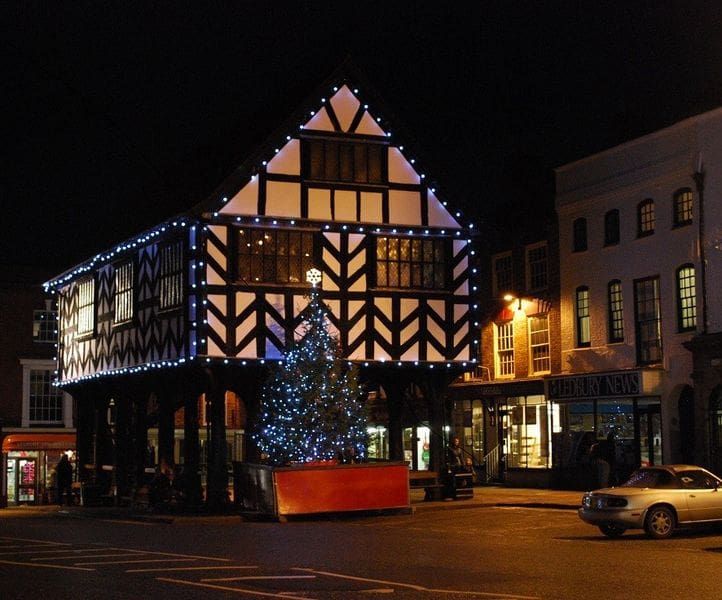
x=312 y=408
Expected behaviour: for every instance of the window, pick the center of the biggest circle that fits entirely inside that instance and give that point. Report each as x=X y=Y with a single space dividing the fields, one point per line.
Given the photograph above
x=274 y=255
x=336 y=160
x=536 y=260
x=580 y=234
x=686 y=299
x=124 y=301
x=648 y=320
x=682 y=204
x=86 y=306
x=46 y=400
x=582 y=312
x=611 y=228
x=171 y=275
x=411 y=263
x=503 y=274
x=45 y=329
x=505 y=349
x=645 y=218
x=616 y=316
x=539 y=344
x=527 y=437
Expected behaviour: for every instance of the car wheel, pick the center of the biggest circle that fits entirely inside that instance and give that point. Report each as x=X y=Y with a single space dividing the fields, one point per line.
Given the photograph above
x=659 y=522
x=611 y=530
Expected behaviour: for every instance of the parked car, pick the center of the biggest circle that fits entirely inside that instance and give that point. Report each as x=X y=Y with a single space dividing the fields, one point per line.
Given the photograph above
x=657 y=499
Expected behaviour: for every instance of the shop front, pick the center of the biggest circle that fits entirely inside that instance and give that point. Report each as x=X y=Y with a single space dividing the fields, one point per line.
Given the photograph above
x=29 y=465
x=622 y=406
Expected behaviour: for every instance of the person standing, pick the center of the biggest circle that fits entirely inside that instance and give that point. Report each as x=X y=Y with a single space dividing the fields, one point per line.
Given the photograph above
x=64 y=480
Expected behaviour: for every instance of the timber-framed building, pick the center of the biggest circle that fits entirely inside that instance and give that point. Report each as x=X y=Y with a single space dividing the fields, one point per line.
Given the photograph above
x=164 y=339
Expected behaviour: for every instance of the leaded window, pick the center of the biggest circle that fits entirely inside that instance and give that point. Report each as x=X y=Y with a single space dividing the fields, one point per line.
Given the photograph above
x=124 y=299
x=86 y=306
x=274 y=255
x=417 y=263
x=171 y=275
x=343 y=160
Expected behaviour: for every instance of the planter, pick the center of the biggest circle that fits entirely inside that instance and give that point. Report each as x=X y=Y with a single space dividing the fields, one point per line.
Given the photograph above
x=312 y=489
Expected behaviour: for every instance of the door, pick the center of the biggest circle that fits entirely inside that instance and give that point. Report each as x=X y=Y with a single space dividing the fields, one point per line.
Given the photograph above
x=27 y=479
x=650 y=435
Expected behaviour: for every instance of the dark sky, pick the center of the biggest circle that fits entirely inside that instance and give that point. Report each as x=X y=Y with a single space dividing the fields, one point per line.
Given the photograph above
x=118 y=114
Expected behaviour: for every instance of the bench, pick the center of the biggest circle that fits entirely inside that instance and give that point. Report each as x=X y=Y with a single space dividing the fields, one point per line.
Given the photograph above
x=429 y=481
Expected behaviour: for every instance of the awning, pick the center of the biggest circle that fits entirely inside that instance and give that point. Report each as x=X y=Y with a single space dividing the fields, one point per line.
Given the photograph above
x=38 y=441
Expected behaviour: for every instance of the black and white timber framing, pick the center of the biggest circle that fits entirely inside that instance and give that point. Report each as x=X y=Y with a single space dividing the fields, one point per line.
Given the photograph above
x=339 y=180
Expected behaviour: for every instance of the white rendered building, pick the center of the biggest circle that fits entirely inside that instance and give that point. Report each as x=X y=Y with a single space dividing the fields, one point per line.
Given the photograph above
x=640 y=230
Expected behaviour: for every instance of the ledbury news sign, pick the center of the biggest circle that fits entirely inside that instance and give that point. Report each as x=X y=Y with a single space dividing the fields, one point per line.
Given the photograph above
x=596 y=385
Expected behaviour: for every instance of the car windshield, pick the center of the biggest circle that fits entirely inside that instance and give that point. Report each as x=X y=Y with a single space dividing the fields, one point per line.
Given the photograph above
x=651 y=478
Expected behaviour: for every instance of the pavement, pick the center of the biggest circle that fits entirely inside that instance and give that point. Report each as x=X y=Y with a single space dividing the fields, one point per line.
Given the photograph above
x=484 y=496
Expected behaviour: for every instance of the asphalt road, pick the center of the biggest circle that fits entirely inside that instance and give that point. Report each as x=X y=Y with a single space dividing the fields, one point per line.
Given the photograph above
x=480 y=552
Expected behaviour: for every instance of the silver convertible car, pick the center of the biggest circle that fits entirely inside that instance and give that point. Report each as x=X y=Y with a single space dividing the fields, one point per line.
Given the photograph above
x=657 y=499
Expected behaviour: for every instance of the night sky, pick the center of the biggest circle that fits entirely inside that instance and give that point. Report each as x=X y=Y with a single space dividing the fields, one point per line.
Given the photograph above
x=116 y=115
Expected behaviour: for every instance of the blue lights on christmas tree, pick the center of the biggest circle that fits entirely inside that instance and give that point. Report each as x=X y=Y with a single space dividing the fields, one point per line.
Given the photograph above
x=312 y=407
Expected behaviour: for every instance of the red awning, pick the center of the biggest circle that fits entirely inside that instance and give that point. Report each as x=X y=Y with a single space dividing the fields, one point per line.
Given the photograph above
x=38 y=441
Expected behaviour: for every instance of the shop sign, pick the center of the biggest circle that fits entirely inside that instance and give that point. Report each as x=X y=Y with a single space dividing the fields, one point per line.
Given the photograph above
x=598 y=385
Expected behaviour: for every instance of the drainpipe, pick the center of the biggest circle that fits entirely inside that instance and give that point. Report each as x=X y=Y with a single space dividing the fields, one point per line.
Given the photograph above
x=698 y=177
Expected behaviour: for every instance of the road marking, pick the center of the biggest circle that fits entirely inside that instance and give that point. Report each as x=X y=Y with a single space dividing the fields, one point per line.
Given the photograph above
x=43 y=566
x=130 y=562
x=419 y=588
x=292 y=596
x=206 y=568
x=57 y=551
x=43 y=542
x=259 y=577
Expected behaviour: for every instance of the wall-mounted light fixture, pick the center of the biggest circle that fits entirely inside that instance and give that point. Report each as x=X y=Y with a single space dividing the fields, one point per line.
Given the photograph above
x=511 y=298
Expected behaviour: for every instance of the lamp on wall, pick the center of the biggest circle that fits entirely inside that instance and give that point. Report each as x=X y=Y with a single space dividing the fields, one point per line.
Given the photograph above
x=511 y=298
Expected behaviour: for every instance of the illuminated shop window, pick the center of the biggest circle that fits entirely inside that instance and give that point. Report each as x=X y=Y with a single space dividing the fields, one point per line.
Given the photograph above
x=274 y=255
x=417 y=263
x=526 y=427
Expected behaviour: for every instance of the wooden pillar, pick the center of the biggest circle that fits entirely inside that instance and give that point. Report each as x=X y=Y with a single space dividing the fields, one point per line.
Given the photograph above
x=217 y=483
x=85 y=436
x=191 y=480
x=124 y=453
x=166 y=431
x=140 y=431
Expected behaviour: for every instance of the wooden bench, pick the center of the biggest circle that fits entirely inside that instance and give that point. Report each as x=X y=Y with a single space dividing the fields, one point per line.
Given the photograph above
x=429 y=481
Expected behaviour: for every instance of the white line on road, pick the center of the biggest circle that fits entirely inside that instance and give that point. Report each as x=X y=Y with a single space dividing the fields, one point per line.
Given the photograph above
x=43 y=566
x=130 y=562
x=224 y=588
x=206 y=568
x=259 y=577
